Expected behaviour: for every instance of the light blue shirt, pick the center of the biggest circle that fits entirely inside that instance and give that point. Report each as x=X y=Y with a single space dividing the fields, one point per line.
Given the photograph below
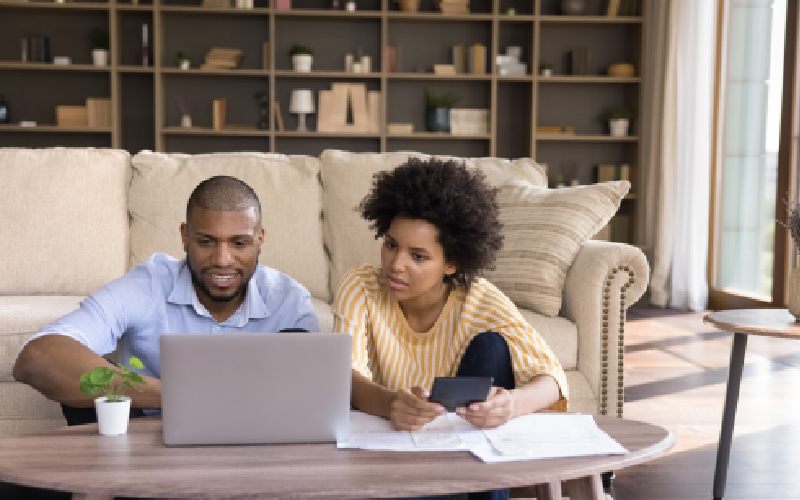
x=158 y=297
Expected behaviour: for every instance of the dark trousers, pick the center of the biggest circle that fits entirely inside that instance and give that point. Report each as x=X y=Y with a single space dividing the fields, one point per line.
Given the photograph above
x=487 y=355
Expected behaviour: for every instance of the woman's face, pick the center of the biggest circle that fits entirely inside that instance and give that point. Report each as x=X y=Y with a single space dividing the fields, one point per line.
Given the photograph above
x=412 y=259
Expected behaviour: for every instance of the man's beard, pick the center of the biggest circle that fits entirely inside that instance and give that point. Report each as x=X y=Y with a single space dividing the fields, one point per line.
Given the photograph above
x=198 y=283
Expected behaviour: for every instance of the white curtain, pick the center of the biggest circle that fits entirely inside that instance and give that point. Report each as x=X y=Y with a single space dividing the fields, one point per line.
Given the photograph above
x=677 y=145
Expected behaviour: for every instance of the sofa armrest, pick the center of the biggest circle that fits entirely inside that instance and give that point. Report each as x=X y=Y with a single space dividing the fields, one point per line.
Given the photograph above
x=605 y=279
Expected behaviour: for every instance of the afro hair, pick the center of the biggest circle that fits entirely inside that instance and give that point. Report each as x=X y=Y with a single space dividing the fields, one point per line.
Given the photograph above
x=445 y=193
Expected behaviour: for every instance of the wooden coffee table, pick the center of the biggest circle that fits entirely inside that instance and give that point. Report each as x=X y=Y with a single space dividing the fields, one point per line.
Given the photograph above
x=743 y=322
x=79 y=460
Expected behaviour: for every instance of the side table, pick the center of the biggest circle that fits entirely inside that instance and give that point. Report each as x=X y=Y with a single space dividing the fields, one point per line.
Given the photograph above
x=743 y=322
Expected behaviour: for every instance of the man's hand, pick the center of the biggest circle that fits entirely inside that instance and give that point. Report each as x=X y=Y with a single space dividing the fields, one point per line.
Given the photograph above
x=411 y=409
x=495 y=411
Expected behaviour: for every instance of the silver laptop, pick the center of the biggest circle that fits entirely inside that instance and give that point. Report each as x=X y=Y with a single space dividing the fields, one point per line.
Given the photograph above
x=255 y=388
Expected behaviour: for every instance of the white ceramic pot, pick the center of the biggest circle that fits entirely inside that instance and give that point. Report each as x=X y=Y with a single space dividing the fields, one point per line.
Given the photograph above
x=184 y=64
x=618 y=127
x=793 y=299
x=547 y=71
x=112 y=418
x=302 y=62
x=100 y=57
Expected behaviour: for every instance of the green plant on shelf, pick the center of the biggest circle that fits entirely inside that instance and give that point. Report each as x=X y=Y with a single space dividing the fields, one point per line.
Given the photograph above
x=617 y=113
x=298 y=49
x=98 y=39
x=444 y=99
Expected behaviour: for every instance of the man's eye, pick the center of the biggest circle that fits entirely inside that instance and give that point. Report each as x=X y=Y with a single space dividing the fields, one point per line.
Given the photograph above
x=204 y=243
x=239 y=244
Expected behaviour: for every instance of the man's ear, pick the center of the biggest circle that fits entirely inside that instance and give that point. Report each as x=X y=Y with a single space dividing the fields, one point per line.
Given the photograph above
x=185 y=236
x=261 y=235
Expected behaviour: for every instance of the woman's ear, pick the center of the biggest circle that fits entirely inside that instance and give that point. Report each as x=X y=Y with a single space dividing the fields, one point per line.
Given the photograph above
x=450 y=269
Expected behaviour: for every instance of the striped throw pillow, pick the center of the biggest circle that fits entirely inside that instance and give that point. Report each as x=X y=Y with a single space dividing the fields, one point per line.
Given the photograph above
x=543 y=230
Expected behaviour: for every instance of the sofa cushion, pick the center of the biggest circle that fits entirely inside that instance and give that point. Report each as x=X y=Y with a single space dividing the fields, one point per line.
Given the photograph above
x=347 y=178
x=324 y=315
x=560 y=334
x=543 y=230
x=287 y=186
x=20 y=317
x=63 y=214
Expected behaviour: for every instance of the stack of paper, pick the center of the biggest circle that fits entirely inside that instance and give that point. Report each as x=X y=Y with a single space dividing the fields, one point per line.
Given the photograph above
x=535 y=436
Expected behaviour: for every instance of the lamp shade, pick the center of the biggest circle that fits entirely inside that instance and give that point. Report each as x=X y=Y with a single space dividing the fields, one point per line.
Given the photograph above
x=302 y=101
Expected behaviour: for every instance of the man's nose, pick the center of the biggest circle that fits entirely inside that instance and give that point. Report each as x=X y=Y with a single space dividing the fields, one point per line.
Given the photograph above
x=222 y=255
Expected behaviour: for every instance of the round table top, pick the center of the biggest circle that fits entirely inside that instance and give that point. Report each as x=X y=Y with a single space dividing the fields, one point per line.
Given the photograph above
x=80 y=460
x=766 y=322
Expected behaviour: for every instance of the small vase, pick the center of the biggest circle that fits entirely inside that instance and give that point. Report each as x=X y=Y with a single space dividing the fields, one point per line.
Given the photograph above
x=618 y=127
x=793 y=299
x=100 y=57
x=438 y=120
x=302 y=62
x=112 y=417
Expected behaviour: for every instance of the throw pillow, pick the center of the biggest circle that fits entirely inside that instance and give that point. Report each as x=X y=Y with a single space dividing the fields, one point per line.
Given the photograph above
x=543 y=230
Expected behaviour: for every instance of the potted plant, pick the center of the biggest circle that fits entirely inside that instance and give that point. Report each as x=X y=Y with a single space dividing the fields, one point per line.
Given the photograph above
x=546 y=69
x=183 y=61
x=98 y=43
x=437 y=110
x=112 y=405
x=618 y=121
x=302 y=58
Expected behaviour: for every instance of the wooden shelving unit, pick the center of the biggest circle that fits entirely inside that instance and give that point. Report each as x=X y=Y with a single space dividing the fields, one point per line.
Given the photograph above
x=146 y=100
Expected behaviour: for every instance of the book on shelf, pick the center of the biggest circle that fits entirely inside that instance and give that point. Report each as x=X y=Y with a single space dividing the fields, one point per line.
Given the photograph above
x=276 y=107
x=400 y=128
x=477 y=59
x=612 y=172
x=218 y=113
x=98 y=112
x=460 y=58
x=555 y=129
x=71 y=116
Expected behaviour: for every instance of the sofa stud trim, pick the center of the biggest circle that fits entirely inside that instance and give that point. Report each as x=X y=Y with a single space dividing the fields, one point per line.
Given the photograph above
x=620 y=342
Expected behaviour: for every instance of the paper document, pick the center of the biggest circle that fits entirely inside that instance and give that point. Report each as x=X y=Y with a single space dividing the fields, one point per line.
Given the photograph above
x=539 y=435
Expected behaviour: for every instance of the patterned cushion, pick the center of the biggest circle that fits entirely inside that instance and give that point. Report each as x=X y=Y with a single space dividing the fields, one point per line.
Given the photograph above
x=544 y=229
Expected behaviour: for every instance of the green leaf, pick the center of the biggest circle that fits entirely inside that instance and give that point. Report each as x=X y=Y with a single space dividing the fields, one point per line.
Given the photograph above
x=137 y=378
x=101 y=375
x=136 y=363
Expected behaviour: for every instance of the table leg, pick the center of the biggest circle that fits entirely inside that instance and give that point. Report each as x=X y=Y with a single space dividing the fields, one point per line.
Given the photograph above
x=585 y=488
x=548 y=491
x=729 y=413
x=89 y=496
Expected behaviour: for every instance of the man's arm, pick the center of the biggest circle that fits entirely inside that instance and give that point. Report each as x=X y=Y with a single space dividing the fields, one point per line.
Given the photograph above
x=53 y=365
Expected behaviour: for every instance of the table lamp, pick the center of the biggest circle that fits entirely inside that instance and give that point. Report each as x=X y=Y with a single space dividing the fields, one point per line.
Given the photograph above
x=301 y=103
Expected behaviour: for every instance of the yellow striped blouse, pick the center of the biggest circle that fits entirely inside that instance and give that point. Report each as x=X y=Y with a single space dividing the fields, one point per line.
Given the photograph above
x=387 y=351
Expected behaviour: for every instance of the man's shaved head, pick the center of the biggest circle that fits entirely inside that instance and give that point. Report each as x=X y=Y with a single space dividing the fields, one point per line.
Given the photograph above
x=223 y=193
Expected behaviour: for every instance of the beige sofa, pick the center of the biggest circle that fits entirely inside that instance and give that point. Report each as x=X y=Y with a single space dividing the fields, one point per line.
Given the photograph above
x=73 y=219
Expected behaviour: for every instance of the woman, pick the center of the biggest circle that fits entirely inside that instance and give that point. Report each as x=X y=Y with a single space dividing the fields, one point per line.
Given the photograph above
x=425 y=313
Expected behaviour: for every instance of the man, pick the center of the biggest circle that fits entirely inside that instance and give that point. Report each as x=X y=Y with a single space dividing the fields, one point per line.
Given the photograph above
x=218 y=288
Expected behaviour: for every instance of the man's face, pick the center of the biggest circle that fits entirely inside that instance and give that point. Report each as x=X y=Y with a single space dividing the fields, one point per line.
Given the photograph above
x=222 y=249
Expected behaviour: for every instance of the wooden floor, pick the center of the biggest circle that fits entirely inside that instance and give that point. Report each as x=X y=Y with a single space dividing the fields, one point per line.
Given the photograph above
x=675 y=373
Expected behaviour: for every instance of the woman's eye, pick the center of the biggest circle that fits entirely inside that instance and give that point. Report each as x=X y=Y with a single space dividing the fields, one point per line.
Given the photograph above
x=418 y=257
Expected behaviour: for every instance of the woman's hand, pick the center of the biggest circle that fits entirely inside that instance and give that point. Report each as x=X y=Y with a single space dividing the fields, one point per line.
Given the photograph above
x=495 y=411
x=411 y=409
